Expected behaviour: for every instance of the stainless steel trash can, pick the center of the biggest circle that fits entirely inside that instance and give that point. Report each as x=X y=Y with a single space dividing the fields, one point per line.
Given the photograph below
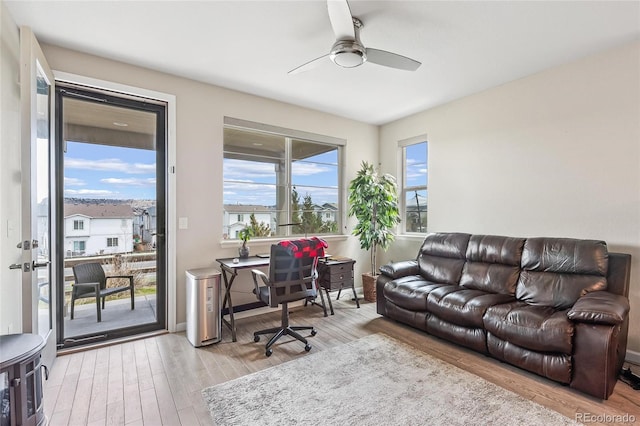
x=203 y=306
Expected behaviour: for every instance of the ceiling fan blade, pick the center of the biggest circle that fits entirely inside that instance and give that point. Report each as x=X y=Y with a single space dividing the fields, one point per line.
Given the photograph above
x=309 y=65
x=341 y=20
x=393 y=60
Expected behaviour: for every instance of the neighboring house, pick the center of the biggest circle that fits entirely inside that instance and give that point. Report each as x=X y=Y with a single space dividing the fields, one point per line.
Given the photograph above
x=144 y=224
x=97 y=228
x=328 y=212
x=237 y=216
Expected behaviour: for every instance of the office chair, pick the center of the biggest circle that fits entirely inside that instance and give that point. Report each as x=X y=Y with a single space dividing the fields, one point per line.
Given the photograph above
x=292 y=276
x=90 y=281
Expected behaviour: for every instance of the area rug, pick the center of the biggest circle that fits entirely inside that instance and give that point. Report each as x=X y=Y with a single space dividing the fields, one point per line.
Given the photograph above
x=375 y=380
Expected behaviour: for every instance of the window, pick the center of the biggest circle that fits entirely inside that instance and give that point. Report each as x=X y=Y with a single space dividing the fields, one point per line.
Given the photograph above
x=78 y=225
x=112 y=242
x=414 y=185
x=281 y=182
x=78 y=246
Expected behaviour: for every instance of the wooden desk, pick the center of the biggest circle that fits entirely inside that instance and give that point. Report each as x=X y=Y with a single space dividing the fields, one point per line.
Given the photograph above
x=229 y=273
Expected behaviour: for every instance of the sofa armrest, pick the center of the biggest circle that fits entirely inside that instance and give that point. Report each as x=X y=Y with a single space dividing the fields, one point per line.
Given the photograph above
x=400 y=269
x=600 y=307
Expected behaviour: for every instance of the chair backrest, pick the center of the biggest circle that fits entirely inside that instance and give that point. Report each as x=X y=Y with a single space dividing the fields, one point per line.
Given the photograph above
x=89 y=273
x=291 y=278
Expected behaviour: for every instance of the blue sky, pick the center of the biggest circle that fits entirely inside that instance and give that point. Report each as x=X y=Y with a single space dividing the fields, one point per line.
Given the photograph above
x=416 y=172
x=254 y=182
x=101 y=171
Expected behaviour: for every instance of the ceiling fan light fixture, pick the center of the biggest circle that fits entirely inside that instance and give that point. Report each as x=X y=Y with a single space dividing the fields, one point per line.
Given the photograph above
x=348 y=51
x=348 y=54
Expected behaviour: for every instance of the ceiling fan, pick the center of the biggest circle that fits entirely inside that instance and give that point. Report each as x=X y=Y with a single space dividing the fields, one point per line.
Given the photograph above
x=348 y=51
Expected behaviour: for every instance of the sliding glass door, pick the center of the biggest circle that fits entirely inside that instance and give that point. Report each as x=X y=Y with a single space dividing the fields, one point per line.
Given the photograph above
x=112 y=175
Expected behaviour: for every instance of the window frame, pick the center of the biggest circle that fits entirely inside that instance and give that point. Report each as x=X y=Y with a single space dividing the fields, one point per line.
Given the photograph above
x=291 y=135
x=78 y=224
x=111 y=240
x=404 y=189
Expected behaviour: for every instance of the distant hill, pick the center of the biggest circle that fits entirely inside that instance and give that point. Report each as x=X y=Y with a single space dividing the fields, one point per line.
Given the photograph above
x=135 y=204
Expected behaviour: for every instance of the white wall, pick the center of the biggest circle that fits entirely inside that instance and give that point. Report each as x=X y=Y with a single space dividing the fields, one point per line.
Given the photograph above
x=553 y=154
x=200 y=111
x=10 y=178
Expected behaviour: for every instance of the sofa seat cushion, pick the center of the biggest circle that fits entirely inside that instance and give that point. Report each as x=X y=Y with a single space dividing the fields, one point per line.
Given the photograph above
x=463 y=306
x=410 y=292
x=538 y=328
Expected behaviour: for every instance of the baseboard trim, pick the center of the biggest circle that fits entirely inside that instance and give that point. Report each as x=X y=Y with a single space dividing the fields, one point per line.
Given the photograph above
x=244 y=311
x=633 y=357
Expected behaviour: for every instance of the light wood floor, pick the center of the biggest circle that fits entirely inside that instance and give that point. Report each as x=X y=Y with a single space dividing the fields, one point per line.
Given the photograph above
x=157 y=381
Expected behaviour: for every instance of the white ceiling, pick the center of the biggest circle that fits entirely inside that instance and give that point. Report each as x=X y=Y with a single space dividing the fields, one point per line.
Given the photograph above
x=464 y=47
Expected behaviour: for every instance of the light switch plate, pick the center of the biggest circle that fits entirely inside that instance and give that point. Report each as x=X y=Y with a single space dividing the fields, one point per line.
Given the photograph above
x=183 y=223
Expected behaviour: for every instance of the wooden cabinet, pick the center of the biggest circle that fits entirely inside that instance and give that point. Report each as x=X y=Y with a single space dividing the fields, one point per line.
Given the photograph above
x=21 y=380
x=336 y=274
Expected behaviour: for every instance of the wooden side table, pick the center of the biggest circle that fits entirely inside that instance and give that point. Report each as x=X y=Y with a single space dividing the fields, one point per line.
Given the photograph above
x=336 y=274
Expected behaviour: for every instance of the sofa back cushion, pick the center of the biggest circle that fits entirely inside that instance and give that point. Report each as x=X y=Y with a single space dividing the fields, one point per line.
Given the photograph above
x=557 y=271
x=442 y=257
x=493 y=264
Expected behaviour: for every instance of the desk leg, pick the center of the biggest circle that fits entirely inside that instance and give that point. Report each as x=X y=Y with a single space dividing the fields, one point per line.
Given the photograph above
x=324 y=306
x=329 y=299
x=355 y=296
x=227 y=299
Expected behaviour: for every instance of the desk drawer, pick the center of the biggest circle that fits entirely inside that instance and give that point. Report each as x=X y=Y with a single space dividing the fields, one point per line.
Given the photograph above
x=338 y=281
x=339 y=268
x=340 y=276
x=336 y=275
x=337 y=285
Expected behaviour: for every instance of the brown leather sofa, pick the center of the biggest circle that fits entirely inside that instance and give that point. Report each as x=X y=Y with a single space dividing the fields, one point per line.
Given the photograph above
x=557 y=307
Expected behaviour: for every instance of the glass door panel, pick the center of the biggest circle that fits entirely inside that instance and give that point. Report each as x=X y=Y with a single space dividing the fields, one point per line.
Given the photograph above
x=112 y=212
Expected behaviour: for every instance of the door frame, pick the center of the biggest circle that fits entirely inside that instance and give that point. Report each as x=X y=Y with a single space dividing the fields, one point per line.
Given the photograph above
x=170 y=196
x=32 y=60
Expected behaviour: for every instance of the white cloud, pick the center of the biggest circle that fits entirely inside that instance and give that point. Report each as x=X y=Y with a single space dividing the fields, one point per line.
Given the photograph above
x=415 y=169
x=109 y=165
x=240 y=170
x=308 y=169
x=129 y=181
x=68 y=181
x=89 y=193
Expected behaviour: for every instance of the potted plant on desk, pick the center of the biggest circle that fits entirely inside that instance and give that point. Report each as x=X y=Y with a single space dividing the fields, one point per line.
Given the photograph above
x=245 y=235
x=373 y=200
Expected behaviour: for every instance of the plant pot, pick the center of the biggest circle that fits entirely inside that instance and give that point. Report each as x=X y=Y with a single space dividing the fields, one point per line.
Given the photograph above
x=369 y=287
x=243 y=252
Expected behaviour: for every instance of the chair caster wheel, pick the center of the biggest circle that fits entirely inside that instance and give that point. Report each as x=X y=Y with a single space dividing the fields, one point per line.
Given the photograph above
x=256 y=338
x=307 y=348
x=314 y=332
x=268 y=352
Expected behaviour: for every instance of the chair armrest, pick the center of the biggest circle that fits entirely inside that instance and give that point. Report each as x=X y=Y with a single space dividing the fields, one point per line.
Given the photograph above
x=96 y=286
x=129 y=277
x=400 y=269
x=600 y=307
x=255 y=273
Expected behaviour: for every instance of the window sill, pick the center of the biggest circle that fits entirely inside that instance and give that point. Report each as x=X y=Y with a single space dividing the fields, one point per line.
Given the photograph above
x=267 y=242
x=417 y=237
